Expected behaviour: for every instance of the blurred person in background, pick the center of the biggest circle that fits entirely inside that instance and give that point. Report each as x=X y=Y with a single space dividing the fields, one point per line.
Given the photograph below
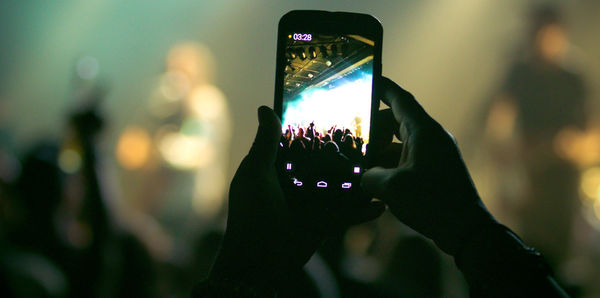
x=62 y=218
x=541 y=97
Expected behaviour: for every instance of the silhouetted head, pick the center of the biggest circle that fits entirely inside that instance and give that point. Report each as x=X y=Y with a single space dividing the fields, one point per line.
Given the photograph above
x=547 y=34
x=337 y=135
x=297 y=146
x=331 y=147
x=300 y=132
x=348 y=143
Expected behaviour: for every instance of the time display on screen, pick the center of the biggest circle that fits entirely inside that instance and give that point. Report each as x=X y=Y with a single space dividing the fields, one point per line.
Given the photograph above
x=301 y=36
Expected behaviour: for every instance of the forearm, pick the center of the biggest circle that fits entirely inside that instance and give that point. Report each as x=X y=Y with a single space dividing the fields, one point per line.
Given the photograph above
x=94 y=208
x=243 y=271
x=496 y=263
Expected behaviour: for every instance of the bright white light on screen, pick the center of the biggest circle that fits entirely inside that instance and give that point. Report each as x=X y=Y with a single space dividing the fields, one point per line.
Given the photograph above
x=340 y=106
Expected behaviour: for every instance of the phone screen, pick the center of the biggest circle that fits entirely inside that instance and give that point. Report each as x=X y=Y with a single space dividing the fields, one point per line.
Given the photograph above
x=326 y=106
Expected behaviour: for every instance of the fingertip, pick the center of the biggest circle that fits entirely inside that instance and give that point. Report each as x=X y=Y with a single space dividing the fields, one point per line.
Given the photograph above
x=266 y=115
x=269 y=120
x=264 y=147
x=388 y=84
x=373 y=179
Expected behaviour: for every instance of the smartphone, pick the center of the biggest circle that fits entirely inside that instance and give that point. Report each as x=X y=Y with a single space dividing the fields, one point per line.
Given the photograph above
x=327 y=65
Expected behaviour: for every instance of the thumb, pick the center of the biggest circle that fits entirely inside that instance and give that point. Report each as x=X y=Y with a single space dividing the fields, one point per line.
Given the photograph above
x=264 y=148
x=377 y=181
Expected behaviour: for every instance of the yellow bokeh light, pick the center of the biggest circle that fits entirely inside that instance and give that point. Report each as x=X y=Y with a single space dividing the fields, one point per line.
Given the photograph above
x=69 y=161
x=133 y=148
x=580 y=147
x=597 y=209
x=192 y=59
x=186 y=152
x=174 y=85
x=590 y=182
x=207 y=102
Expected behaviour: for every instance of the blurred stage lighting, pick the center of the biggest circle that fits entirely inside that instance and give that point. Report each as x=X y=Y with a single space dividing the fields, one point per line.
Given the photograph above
x=87 y=67
x=174 y=85
x=192 y=59
x=312 y=52
x=207 y=102
x=186 y=152
x=69 y=161
x=302 y=54
x=590 y=180
x=133 y=148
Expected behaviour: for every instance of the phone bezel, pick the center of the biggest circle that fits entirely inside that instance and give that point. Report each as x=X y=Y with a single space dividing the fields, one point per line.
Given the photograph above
x=333 y=23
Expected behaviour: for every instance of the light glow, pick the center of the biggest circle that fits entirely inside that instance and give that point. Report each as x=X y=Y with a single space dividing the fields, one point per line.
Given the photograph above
x=347 y=105
x=133 y=148
x=186 y=152
x=590 y=183
x=69 y=161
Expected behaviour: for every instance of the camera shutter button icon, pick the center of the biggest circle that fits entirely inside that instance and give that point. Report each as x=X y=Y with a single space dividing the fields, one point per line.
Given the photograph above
x=322 y=184
x=346 y=185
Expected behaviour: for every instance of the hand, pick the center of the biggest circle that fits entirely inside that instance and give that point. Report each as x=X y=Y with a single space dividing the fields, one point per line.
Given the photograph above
x=267 y=236
x=430 y=189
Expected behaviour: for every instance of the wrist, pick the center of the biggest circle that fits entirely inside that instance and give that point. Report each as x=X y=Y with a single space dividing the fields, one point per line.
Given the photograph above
x=494 y=256
x=466 y=225
x=251 y=265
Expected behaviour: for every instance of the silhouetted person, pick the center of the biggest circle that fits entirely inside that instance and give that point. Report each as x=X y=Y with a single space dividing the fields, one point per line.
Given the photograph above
x=65 y=220
x=545 y=98
x=269 y=238
x=337 y=136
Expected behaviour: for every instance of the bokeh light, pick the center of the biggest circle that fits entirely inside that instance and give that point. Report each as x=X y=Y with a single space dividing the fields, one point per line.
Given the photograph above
x=186 y=152
x=133 y=148
x=87 y=67
x=207 y=102
x=590 y=183
x=69 y=160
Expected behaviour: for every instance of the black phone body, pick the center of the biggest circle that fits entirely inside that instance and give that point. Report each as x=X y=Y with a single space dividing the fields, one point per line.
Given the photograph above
x=327 y=65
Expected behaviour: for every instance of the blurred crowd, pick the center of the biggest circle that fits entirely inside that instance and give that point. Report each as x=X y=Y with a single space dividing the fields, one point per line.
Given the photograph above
x=308 y=140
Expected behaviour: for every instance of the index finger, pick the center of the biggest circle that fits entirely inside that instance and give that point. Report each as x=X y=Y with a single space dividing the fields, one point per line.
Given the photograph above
x=404 y=105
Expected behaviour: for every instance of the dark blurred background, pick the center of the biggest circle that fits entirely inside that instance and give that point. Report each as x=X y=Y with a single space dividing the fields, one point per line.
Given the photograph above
x=122 y=123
